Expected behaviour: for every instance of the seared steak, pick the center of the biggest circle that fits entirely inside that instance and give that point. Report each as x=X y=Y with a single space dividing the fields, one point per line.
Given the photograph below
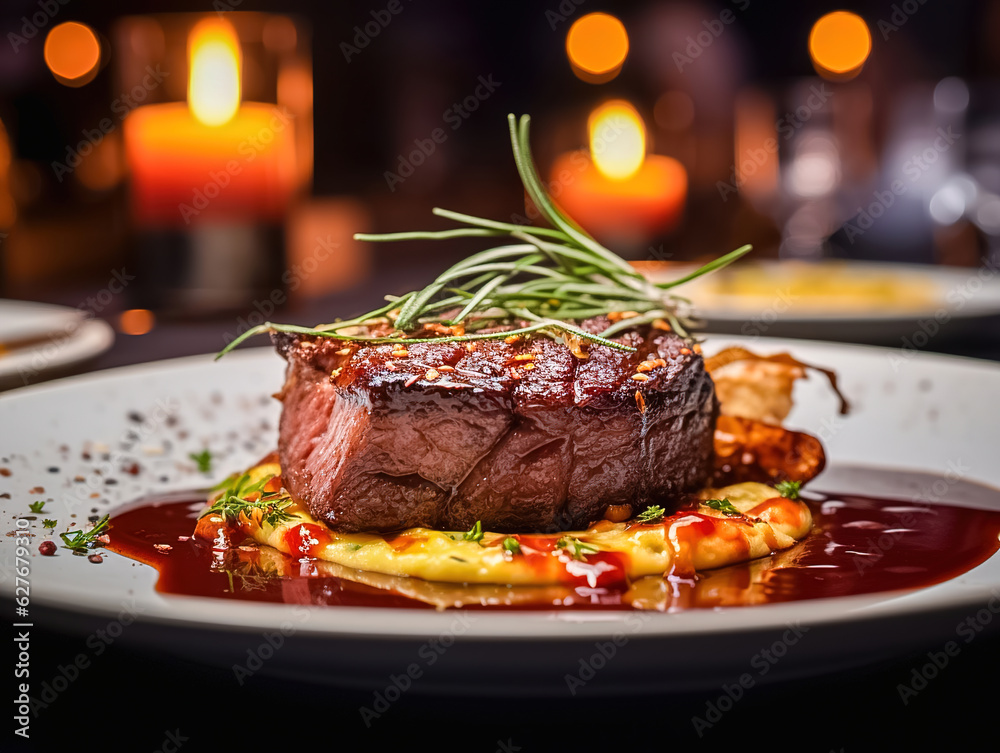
x=523 y=436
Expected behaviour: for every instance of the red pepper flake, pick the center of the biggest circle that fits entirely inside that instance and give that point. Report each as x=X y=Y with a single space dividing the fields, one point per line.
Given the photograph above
x=4 y=471
x=132 y=470
x=411 y=381
x=96 y=559
x=47 y=548
x=37 y=490
x=162 y=548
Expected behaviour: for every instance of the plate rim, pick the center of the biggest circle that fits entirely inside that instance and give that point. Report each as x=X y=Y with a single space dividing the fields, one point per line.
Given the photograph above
x=364 y=622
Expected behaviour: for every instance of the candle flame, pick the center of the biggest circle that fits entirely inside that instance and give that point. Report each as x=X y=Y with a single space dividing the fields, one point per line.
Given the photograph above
x=617 y=139
x=214 y=60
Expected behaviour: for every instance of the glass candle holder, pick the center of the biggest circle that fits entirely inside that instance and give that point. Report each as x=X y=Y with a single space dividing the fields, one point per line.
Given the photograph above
x=217 y=127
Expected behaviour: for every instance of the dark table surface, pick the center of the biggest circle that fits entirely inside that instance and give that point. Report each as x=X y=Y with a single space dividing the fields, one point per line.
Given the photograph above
x=137 y=700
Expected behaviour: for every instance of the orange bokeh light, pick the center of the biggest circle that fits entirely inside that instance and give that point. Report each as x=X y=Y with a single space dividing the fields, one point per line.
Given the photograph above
x=840 y=43
x=136 y=321
x=597 y=45
x=73 y=53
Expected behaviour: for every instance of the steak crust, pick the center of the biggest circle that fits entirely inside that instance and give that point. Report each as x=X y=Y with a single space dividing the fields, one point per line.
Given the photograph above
x=522 y=436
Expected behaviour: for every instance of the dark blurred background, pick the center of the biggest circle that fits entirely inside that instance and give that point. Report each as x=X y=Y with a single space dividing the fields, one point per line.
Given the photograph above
x=769 y=128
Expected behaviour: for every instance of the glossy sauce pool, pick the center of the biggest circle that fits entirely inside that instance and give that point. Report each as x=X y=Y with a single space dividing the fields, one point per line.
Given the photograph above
x=858 y=545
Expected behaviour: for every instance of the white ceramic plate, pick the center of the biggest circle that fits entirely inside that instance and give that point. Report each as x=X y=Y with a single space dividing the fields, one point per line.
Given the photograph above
x=61 y=338
x=928 y=413
x=888 y=303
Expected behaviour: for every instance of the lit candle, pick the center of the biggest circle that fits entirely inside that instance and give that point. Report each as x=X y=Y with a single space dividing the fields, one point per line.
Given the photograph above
x=617 y=191
x=213 y=157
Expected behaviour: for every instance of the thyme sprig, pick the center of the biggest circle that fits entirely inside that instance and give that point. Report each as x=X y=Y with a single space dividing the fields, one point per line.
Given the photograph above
x=80 y=541
x=542 y=280
x=240 y=496
x=576 y=548
x=722 y=505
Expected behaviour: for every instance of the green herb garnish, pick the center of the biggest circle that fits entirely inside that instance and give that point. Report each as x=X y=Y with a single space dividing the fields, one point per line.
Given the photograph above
x=578 y=549
x=540 y=281
x=233 y=501
x=475 y=534
x=789 y=489
x=81 y=541
x=652 y=514
x=722 y=505
x=512 y=545
x=37 y=506
x=203 y=459
x=47 y=523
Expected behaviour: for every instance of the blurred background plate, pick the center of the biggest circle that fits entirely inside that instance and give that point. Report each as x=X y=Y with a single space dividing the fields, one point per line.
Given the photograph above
x=39 y=341
x=854 y=301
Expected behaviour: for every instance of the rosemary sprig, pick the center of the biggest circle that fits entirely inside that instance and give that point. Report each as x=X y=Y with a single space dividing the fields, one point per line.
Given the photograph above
x=235 y=500
x=542 y=281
